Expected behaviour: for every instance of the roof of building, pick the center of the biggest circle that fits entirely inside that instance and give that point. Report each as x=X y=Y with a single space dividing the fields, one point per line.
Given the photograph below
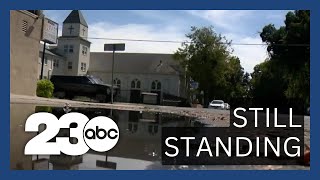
x=48 y=51
x=76 y=17
x=140 y=63
x=79 y=37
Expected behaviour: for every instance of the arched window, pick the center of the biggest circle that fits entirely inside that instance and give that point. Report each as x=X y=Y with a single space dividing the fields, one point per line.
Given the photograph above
x=117 y=82
x=156 y=85
x=138 y=85
x=135 y=84
x=153 y=85
x=133 y=127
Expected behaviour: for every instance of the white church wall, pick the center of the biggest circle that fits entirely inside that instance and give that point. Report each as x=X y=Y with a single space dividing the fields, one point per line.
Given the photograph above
x=169 y=83
x=83 y=58
x=83 y=31
x=70 y=56
x=74 y=28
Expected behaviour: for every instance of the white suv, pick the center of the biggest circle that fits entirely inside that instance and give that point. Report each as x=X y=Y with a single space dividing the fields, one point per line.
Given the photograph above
x=216 y=104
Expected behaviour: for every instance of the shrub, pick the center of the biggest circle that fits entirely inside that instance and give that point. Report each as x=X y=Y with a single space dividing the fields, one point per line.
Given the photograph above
x=45 y=88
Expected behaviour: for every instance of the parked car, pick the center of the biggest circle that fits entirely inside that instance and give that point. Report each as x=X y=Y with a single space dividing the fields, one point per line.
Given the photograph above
x=216 y=104
x=89 y=86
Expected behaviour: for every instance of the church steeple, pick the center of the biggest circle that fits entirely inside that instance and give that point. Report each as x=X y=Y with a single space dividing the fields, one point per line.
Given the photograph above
x=76 y=17
x=73 y=44
x=75 y=25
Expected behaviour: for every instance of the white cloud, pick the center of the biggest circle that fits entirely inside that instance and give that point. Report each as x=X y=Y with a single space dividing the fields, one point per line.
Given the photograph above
x=229 y=22
x=249 y=55
x=135 y=31
x=226 y=19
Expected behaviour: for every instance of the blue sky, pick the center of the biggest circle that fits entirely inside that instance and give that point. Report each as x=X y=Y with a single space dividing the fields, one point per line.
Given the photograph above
x=240 y=26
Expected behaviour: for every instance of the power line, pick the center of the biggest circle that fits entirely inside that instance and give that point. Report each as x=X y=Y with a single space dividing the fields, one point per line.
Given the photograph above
x=171 y=41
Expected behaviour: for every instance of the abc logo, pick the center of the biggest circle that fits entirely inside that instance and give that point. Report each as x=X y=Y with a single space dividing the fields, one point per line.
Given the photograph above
x=101 y=134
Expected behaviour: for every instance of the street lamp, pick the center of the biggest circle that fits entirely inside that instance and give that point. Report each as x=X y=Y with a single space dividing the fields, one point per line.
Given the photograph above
x=113 y=48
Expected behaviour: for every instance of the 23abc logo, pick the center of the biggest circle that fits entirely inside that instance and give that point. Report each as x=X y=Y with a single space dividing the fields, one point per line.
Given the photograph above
x=100 y=134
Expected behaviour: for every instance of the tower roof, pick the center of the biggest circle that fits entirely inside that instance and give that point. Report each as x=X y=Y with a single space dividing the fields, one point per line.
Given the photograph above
x=76 y=17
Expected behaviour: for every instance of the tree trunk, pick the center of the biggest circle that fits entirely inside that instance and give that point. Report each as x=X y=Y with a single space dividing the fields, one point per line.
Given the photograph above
x=206 y=98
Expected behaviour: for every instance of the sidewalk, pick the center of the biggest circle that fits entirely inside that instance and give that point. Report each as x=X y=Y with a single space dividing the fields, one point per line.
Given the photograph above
x=200 y=113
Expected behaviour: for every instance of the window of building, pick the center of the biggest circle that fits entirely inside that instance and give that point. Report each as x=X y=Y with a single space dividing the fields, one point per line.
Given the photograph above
x=133 y=127
x=135 y=84
x=153 y=129
x=138 y=85
x=70 y=48
x=117 y=82
x=156 y=85
x=45 y=61
x=153 y=85
x=69 y=65
x=56 y=63
x=84 y=50
x=65 y=48
x=83 y=67
x=24 y=26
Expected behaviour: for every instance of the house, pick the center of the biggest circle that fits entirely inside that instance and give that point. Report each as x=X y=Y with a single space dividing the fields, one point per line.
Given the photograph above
x=54 y=63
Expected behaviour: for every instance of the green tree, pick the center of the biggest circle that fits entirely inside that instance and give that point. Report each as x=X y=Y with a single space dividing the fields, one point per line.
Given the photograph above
x=267 y=84
x=208 y=61
x=236 y=81
x=289 y=51
x=204 y=59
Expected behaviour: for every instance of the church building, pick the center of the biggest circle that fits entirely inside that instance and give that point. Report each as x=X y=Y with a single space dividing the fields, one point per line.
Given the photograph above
x=134 y=73
x=71 y=55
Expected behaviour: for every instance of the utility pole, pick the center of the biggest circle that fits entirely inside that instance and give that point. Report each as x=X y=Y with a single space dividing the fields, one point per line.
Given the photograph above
x=113 y=48
x=112 y=74
x=43 y=56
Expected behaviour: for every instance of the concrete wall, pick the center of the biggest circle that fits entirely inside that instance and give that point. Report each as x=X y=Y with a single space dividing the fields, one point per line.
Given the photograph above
x=18 y=137
x=24 y=52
